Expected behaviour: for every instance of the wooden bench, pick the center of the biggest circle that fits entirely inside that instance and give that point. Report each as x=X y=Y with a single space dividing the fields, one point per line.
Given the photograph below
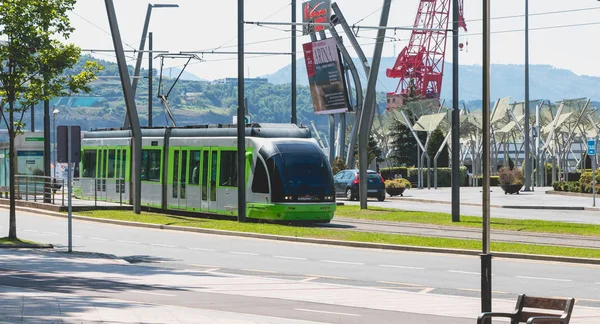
x=535 y=316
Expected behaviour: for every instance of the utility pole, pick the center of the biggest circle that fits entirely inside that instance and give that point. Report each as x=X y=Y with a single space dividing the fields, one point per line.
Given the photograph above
x=294 y=117
x=136 y=132
x=486 y=256
x=527 y=130
x=150 y=74
x=241 y=124
x=366 y=117
x=455 y=117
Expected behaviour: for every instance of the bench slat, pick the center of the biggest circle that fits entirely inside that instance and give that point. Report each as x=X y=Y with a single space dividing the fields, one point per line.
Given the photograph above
x=526 y=315
x=545 y=303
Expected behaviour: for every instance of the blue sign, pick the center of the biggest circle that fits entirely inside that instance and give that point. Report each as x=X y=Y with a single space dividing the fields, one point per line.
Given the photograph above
x=591 y=147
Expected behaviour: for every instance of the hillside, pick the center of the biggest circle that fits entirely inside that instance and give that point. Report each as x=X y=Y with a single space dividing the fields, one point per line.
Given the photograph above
x=546 y=82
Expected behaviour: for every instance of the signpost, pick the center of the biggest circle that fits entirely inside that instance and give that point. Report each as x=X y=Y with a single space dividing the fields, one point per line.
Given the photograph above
x=69 y=150
x=592 y=154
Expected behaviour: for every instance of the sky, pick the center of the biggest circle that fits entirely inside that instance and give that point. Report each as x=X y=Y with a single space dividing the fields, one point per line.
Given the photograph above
x=208 y=25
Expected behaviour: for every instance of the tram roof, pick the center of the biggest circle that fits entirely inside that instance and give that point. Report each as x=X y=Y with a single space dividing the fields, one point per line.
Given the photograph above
x=263 y=130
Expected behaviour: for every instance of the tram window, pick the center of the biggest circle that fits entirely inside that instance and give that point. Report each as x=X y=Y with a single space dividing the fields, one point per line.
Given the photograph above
x=205 y=175
x=194 y=167
x=213 y=176
x=89 y=163
x=260 y=182
x=276 y=180
x=175 y=172
x=150 y=165
x=228 y=176
x=123 y=164
x=111 y=164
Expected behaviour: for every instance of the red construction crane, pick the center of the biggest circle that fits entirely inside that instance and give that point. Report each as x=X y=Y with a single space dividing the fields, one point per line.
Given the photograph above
x=422 y=60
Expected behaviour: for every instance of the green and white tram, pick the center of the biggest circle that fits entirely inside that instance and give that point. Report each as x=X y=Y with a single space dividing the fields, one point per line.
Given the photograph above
x=194 y=169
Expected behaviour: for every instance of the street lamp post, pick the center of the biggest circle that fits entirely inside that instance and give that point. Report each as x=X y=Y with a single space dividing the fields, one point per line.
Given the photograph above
x=54 y=113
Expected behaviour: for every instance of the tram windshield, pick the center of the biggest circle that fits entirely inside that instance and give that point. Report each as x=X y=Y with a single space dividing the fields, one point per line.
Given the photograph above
x=300 y=173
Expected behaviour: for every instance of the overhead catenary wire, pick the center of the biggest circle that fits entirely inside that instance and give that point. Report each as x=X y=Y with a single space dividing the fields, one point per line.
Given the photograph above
x=100 y=28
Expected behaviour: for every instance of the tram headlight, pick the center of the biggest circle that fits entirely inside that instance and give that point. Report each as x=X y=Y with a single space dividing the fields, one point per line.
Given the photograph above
x=288 y=198
x=328 y=198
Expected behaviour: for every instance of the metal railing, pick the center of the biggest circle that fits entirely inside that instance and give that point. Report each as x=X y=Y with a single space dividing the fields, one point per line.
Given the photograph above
x=40 y=188
x=113 y=190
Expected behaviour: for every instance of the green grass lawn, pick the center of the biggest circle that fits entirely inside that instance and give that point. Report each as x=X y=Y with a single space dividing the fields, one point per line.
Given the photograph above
x=8 y=241
x=395 y=215
x=322 y=233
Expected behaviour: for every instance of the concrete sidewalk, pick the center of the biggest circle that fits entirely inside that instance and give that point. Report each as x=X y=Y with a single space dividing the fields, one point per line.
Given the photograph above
x=70 y=303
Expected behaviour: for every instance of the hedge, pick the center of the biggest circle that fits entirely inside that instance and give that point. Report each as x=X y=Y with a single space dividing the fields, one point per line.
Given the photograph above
x=444 y=175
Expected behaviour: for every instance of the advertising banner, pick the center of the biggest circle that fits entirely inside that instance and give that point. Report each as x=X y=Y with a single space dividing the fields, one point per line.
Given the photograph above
x=326 y=78
x=315 y=11
x=30 y=163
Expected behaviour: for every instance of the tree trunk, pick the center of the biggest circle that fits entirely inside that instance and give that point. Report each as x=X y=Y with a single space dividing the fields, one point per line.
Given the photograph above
x=12 y=229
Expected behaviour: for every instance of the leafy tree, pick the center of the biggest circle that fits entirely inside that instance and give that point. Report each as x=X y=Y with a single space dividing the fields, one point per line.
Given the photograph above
x=32 y=62
x=435 y=141
x=374 y=152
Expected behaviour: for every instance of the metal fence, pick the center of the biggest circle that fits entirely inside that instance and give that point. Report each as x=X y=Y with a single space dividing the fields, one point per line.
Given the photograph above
x=39 y=188
x=101 y=190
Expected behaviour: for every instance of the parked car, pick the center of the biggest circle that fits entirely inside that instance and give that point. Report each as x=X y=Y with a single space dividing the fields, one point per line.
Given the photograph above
x=347 y=181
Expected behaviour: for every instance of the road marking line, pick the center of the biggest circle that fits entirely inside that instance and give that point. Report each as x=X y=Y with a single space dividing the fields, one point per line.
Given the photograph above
x=204 y=265
x=400 y=267
x=468 y=289
x=211 y=270
x=243 y=253
x=309 y=279
x=324 y=312
x=33 y=231
x=327 y=277
x=164 y=245
x=98 y=238
x=426 y=290
x=400 y=283
x=132 y=242
x=540 y=278
x=342 y=262
x=289 y=258
x=150 y=293
x=201 y=249
x=464 y=272
x=78 y=236
x=49 y=233
x=263 y=271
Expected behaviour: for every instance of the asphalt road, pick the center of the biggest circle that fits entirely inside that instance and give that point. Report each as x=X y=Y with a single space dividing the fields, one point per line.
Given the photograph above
x=418 y=272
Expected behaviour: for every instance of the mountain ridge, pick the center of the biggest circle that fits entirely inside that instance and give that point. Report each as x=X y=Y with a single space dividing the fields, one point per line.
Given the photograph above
x=507 y=80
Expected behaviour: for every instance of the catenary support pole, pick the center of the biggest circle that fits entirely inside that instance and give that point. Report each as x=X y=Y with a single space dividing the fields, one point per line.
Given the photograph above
x=527 y=108
x=70 y=189
x=48 y=185
x=150 y=75
x=366 y=118
x=136 y=152
x=455 y=143
x=294 y=67
x=486 y=257
x=241 y=124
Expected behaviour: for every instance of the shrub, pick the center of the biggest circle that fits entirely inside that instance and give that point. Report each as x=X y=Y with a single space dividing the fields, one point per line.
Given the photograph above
x=398 y=183
x=390 y=173
x=506 y=176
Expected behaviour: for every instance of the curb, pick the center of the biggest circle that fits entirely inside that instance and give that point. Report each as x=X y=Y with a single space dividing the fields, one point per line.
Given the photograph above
x=431 y=201
x=26 y=246
x=323 y=241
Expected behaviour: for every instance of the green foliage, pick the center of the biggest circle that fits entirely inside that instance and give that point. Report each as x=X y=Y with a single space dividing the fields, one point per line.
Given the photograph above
x=403 y=144
x=390 y=173
x=507 y=176
x=398 y=183
x=435 y=141
x=374 y=152
x=338 y=165
x=511 y=163
x=444 y=176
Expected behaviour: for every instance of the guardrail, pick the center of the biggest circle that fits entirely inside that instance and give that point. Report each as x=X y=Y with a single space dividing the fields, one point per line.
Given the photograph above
x=54 y=190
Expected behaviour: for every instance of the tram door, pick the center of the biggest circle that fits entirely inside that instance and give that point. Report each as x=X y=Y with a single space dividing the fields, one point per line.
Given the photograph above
x=178 y=197
x=209 y=179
